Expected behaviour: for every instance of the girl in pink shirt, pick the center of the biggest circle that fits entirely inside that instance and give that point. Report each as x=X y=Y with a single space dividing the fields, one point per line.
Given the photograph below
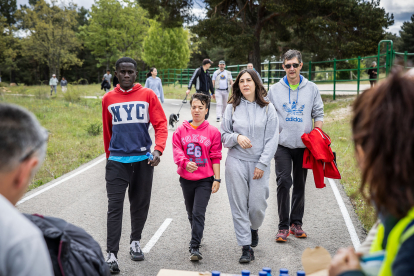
x=197 y=153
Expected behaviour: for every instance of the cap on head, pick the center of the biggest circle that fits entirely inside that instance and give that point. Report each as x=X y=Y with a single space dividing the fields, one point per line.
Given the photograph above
x=53 y=75
x=222 y=62
x=207 y=61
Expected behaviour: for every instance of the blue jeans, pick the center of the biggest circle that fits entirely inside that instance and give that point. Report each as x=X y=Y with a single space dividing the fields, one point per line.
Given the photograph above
x=51 y=89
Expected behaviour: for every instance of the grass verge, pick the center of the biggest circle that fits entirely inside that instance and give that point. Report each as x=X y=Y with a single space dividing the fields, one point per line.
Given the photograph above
x=71 y=142
x=338 y=127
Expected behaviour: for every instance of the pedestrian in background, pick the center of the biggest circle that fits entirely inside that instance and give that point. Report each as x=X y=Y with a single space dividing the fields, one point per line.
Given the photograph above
x=382 y=130
x=250 y=66
x=108 y=78
x=222 y=82
x=154 y=83
x=202 y=81
x=197 y=153
x=373 y=73
x=53 y=84
x=64 y=85
x=250 y=131
x=115 y=81
x=297 y=102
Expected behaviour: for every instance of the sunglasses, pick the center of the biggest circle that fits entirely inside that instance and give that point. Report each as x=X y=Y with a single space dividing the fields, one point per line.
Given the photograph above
x=295 y=65
x=36 y=147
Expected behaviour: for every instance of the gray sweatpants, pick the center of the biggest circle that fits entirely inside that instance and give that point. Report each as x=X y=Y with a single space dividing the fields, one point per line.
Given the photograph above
x=247 y=197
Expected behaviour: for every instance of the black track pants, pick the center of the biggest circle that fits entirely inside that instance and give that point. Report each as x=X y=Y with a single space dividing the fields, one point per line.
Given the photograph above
x=196 y=195
x=285 y=158
x=137 y=177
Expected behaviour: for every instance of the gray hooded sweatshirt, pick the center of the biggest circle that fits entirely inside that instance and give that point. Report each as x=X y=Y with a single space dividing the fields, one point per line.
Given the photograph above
x=295 y=110
x=257 y=124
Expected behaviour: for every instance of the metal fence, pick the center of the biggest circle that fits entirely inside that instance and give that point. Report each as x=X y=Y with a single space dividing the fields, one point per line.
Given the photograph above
x=334 y=72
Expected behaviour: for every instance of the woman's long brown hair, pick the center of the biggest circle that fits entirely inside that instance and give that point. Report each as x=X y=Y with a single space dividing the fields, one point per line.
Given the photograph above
x=260 y=91
x=383 y=126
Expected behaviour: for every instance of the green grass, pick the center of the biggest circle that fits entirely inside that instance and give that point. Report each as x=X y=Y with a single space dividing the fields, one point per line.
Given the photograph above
x=340 y=132
x=70 y=145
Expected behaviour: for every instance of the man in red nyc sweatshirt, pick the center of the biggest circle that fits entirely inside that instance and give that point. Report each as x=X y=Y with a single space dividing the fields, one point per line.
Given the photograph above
x=127 y=112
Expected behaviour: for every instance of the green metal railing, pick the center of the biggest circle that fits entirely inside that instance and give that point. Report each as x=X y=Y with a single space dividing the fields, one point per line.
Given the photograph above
x=333 y=71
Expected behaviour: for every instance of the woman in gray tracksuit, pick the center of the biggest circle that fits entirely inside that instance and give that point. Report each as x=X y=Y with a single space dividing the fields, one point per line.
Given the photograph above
x=250 y=131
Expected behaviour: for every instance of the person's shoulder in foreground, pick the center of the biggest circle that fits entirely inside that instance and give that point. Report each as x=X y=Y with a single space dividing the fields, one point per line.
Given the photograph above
x=23 y=250
x=22 y=247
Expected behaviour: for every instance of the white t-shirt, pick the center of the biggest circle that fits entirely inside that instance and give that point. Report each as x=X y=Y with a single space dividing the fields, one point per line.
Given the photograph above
x=223 y=82
x=23 y=250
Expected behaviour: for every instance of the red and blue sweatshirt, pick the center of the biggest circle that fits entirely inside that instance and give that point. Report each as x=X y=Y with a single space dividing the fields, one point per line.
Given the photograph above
x=201 y=145
x=126 y=117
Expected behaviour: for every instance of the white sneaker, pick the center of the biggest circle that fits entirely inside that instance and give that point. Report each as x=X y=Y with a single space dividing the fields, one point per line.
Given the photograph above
x=112 y=263
x=136 y=252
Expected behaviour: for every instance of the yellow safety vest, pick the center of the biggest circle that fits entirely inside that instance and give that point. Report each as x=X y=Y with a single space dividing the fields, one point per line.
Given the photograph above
x=396 y=237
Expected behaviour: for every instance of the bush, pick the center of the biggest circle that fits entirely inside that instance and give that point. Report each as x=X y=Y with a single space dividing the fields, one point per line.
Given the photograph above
x=94 y=129
x=72 y=95
x=4 y=84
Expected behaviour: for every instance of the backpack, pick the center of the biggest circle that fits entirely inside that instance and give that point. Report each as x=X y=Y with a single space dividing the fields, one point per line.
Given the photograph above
x=72 y=250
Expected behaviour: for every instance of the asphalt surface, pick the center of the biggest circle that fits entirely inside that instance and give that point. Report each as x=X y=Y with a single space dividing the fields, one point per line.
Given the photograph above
x=82 y=201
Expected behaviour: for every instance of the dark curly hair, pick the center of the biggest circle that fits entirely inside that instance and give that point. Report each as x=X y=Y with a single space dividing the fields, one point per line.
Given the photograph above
x=203 y=98
x=383 y=127
x=126 y=60
x=260 y=91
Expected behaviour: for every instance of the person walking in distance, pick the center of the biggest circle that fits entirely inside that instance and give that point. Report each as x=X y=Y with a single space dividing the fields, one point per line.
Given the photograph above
x=372 y=73
x=222 y=82
x=53 y=84
x=127 y=112
x=202 y=81
x=154 y=83
x=249 y=131
x=197 y=153
x=107 y=77
x=64 y=84
x=298 y=102
x=250 y=66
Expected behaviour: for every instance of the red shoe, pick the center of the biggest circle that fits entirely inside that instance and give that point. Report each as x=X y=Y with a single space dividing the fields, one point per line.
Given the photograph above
x=282 y=235
x=297 y=231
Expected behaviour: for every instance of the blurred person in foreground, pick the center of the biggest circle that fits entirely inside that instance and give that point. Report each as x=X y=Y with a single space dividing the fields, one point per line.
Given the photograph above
x=23 y=142
x=383 y=133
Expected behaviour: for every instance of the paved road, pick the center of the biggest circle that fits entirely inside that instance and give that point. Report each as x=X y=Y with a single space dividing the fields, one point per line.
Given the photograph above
x=82 y=200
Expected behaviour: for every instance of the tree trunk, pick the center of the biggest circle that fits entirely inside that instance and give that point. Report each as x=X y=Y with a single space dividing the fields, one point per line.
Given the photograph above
x=257 y=63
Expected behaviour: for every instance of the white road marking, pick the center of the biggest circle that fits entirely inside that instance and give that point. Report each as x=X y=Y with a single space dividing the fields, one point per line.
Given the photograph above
x=157 y=235
x=345 y=214
x=59 y=182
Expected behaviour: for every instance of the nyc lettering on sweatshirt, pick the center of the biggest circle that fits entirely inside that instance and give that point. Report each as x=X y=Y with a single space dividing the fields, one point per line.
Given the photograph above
x=126 y=116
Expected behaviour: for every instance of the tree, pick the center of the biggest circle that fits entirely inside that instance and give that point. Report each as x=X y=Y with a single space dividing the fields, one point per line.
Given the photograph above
x=51 y=36
x=7 y=9
x=171 y=13
x=166 y=47
x=260 y=28
x=407 y=35
x=110 y=37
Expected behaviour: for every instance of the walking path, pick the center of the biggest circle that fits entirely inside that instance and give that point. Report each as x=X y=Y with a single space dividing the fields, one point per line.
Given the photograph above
x=80 y=198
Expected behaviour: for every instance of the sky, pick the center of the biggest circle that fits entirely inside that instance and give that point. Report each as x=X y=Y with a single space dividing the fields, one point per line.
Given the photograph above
x=402 y=10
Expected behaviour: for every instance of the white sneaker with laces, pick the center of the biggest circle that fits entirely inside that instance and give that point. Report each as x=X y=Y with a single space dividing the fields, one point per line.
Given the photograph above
x=112 y=262
x=136 y=252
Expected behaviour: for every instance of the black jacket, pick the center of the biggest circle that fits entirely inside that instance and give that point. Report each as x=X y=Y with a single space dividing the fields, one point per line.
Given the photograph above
x=202 y=81
x=105 y=85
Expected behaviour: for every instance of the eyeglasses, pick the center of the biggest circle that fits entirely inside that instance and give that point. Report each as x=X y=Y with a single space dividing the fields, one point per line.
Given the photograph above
x=38 y=145
x=295 y=65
